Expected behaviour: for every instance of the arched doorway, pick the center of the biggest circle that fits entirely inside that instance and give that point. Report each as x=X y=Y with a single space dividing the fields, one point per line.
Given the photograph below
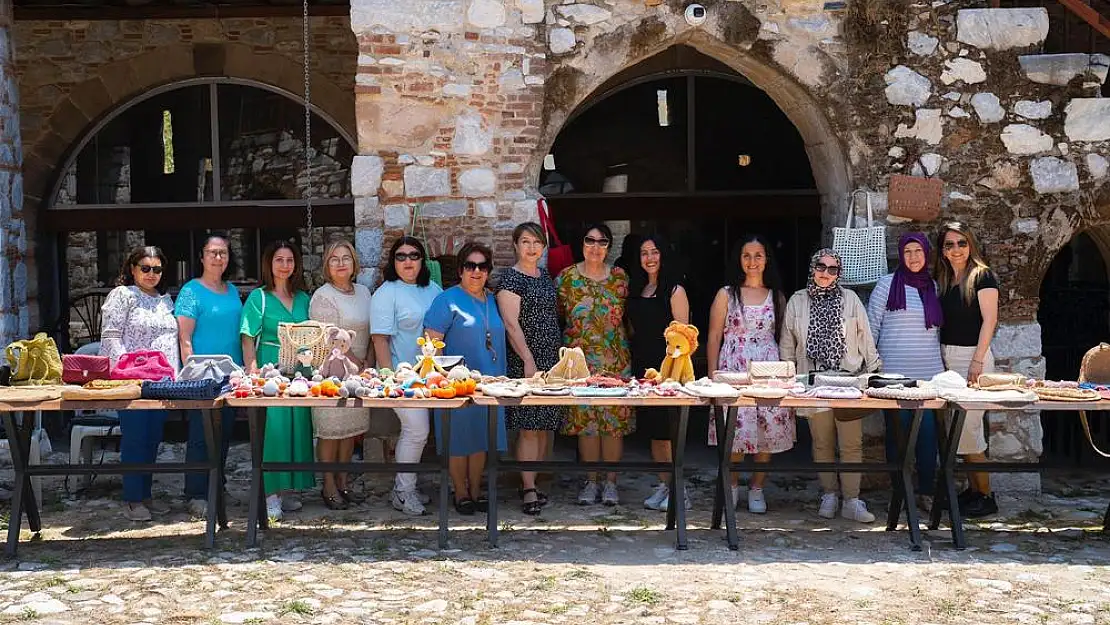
x=1074 y=316
x=187 y=158
x=683 y=145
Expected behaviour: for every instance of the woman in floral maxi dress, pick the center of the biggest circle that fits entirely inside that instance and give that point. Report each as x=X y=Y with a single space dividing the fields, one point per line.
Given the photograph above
x=591 y=298
x=743 y=325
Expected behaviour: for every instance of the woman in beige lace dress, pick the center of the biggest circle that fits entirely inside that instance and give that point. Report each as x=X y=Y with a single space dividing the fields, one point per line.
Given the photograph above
x=346 y=304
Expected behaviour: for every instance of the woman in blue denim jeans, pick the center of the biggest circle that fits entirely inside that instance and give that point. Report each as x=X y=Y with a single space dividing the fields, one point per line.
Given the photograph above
x=208 y=312
x=138 y=315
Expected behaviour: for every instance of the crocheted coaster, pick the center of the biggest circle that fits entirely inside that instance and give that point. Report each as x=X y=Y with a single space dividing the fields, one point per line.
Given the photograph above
x=902 y=393
x=1066 y=394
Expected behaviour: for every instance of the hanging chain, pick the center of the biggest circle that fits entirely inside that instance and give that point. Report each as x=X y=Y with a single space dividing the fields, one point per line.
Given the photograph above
x=307 y=131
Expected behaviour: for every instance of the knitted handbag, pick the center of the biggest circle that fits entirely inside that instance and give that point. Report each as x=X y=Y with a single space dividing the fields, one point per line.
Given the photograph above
x=839 y=379
x=187 y=390
x=294 y=336
x=200 y=367
x=143 y=365
x=1095 y=369
x=903 y=393
x=34 y=361
x=862 y=250
x=82 y=368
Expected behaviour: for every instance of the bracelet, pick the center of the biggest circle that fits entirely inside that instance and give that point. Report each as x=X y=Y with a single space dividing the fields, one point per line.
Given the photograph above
x=978 y=361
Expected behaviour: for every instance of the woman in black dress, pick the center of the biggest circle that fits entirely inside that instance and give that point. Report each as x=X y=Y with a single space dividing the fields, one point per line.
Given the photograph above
x=526 y=299
x=655 y=298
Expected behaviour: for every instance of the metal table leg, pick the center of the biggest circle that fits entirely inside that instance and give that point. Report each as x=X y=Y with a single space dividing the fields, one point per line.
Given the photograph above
x=492 y=476
x=14 y=434
x=907 y=479
x=215 y=465
x=676 y=511
x=947 y=497
x=897 y=495
x=719 y=495
x=724 y=446
x=256 y=418
x=444 y=475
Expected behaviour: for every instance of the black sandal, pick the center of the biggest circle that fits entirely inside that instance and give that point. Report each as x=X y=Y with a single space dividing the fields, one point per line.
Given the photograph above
x=464 y=507
x=481 y=504
x=531 y=508
x=351 y=497
x=333 y=502
x=540 y=495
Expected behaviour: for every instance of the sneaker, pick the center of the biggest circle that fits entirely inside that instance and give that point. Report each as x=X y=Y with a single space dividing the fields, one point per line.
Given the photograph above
x=666 y=504
x=735 y=490
x=589 y=494
x=407 y=502
x=156 y=507
x=855 y=510
x=273 y=507
x=136 y=511
x=661 y=494
x=291 y=504
x=756 y=503
x=609 y=494
x=981 y=506
x=198 y=508
x=827 y=510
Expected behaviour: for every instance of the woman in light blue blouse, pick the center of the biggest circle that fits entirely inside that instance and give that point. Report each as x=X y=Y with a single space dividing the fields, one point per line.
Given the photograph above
x=208 y=311
x=466 y=318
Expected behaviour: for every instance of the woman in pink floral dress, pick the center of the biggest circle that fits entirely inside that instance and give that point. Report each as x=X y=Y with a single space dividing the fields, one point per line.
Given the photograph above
x=743 y=326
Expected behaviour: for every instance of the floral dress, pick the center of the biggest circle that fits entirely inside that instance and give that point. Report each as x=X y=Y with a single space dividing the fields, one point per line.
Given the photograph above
x=594 y=313
x=750 y=335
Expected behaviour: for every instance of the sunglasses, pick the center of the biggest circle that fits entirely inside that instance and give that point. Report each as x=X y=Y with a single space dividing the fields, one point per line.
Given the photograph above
x=951 y=245
x=157 y=269
x=832 y=270
x=470 y=265
x=592 y=242
x=402 y=256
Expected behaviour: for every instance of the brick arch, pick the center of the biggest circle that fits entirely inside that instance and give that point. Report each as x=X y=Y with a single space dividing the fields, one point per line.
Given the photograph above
x=119 y=82
x=827 y=155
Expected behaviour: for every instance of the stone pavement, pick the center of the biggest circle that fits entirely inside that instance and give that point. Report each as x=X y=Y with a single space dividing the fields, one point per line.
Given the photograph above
x=1041 y=561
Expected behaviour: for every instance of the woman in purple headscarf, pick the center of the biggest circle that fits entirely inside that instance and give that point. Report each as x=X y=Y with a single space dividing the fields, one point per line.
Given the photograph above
x=906 y=316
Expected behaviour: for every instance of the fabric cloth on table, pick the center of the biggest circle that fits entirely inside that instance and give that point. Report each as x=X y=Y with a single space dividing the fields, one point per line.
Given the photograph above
x=464 y=320
x=288 y=436
x=350 y=311
x=593 y=313
x=539 y=321
x=750 y=336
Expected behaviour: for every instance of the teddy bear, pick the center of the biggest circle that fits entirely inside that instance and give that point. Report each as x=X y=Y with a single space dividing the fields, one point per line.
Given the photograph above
x=682 y=340
x=338 y=364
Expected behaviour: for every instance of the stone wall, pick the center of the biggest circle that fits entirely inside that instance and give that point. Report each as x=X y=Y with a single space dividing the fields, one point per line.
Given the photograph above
x=14 y=319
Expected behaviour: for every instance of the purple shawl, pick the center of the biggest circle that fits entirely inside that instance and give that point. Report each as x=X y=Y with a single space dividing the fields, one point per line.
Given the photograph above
x=922 y=281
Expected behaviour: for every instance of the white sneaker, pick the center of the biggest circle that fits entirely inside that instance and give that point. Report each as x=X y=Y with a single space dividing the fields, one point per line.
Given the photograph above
x=735 y=490
x=661 y=494
x=666 y=504
x=609 y=494
x=756 y=503
x=856 y=510
x=828 y=506
x=407 y=502
x=291 y=504
x=136 y=511
x=589 y=494
x=198 y=508
x=273 y=507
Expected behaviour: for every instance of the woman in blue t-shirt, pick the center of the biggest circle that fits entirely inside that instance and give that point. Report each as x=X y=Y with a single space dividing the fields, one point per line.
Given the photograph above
x=208 y=309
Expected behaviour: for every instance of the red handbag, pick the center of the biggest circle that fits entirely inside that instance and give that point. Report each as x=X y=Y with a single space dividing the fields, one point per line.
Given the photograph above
x=559 y=256
x=143 y=365
x=82 y=368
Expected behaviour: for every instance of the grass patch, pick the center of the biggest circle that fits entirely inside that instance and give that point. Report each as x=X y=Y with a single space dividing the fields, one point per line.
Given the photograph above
x=296 y=606
x=547 y=584
x=642 y=594
x=28 y=614
x=581 y=574
x=380 y=547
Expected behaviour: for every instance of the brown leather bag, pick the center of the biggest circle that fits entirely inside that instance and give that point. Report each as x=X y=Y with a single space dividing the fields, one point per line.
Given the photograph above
x=915 y=197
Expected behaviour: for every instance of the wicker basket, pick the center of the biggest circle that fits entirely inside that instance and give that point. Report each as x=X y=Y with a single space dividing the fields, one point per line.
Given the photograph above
x=294 y=336
x=1094 y=369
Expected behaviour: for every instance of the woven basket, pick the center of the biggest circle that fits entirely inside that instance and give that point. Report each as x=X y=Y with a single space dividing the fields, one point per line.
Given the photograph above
x=294 y=336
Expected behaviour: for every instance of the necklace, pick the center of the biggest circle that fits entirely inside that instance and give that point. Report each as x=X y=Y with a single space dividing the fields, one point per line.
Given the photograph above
x=350 y=291
x=489 y=335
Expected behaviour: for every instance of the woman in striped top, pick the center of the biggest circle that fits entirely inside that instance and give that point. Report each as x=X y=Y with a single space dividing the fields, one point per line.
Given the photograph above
x=906 y=316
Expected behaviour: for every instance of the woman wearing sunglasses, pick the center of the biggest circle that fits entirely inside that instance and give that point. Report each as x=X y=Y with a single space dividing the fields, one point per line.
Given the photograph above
x=969 y=298
x=591 y=302
x=138 y=315
x=466 y=318
x=825 y=328
x=396 y=321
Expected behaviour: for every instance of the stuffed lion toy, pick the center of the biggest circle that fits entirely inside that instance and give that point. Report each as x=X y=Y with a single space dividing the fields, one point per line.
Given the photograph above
x=682 y=340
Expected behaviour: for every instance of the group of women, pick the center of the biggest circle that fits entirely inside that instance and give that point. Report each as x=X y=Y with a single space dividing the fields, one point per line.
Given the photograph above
x=916 y=323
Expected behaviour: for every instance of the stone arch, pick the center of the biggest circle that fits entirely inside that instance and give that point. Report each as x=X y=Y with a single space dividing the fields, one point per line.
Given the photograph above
x=568 y=88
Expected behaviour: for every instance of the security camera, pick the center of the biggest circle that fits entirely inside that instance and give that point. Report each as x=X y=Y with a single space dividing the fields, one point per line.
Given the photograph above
x=695 y=15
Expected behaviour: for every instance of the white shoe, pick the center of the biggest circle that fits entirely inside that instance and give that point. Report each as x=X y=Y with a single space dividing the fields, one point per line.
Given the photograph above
x=291 y=504
x=735 y=490
x=136 y=511
x=609 y=494
x=756 y=503
x=198 y=508
x=273 y=507
x=407 y=502
x=828 y=506
x=661 y=494
x=666 y=504
x=589 y=494
x=856 y=510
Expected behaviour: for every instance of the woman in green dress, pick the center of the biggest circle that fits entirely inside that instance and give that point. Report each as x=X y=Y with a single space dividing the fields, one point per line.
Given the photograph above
x=281 y=299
